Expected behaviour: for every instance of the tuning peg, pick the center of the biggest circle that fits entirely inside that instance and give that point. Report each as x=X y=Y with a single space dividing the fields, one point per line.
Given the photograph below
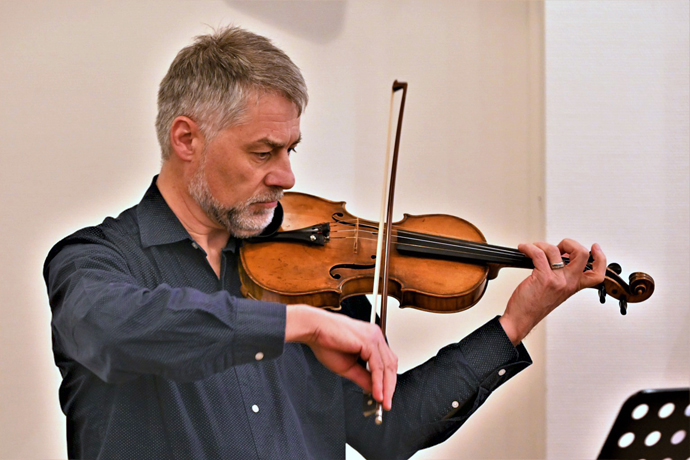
x=615 y=268
x=624 y=305
x=602 y=293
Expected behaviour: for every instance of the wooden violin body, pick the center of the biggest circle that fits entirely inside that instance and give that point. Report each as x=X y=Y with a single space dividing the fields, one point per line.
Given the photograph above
x=325 y=275
x=322 y=255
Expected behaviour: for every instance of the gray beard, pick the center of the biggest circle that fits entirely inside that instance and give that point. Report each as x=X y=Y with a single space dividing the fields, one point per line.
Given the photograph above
x=239 y=220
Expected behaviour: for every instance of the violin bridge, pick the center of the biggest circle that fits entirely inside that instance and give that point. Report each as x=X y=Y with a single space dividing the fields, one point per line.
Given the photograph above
x=355 y=247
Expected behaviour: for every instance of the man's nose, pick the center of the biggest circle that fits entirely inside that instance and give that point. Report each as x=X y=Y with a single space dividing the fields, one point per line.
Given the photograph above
x=281 y=176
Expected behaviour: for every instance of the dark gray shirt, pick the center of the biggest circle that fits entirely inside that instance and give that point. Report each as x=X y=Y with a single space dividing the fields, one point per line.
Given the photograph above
x=162 y=359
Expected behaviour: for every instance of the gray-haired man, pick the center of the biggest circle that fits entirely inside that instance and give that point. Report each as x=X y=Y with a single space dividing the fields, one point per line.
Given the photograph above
x=161 y=356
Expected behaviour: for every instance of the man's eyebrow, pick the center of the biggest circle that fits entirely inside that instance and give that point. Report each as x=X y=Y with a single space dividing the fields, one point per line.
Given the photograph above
x=273 y=145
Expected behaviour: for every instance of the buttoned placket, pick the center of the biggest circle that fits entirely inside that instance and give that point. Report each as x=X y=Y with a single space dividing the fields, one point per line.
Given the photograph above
x=247 y=375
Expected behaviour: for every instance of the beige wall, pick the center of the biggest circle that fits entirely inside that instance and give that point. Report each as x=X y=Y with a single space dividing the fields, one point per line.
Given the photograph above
x=77 y=90
x=618 y=151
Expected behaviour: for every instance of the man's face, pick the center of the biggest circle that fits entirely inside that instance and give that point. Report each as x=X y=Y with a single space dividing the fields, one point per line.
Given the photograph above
x=243 y=171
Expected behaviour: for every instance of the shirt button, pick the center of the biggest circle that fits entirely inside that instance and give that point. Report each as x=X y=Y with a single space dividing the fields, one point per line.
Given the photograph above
x=455 y=404
x=502 y=372
x=194 y=245
x=255 y=408
x=259 y=356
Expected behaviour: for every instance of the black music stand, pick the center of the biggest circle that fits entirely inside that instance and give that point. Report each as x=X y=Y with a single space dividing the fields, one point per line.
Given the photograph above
x=652 y=424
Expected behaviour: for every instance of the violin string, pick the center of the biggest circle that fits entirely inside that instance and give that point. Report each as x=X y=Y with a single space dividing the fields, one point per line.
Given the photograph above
x=437 y=239
x=469 y=247
x=451 y=249
x=442 y=240
x=455 y=246
x=510 y=258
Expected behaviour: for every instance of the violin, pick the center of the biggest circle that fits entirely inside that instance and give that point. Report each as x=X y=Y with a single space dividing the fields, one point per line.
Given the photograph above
x=321 y=255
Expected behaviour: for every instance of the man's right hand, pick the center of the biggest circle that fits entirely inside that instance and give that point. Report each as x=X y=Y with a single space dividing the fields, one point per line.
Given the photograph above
x=339 y=341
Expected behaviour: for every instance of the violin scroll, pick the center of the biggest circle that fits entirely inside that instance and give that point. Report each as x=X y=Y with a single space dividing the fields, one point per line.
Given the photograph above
x=639 y=288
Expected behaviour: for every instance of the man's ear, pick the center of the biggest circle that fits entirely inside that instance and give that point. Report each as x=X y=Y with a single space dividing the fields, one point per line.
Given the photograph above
x=185 y=138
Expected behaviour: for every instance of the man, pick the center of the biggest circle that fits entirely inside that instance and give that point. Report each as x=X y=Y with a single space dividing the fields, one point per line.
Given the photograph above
x=160 y=355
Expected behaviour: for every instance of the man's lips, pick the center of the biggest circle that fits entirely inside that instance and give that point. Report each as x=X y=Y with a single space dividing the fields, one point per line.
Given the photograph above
x=266 y=204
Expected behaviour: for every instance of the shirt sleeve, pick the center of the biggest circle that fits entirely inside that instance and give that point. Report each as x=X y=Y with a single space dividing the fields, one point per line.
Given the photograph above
x=106 y=321
x=434 y=399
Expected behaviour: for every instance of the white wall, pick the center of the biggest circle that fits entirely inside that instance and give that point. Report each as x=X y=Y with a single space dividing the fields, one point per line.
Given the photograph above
x=78 y=84
x=617 y=172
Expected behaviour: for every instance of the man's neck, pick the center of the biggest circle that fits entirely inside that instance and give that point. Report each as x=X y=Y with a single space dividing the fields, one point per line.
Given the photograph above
x=206 y=233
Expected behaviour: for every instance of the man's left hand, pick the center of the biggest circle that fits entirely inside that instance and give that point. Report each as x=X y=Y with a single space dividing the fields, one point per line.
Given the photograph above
x=547 y=287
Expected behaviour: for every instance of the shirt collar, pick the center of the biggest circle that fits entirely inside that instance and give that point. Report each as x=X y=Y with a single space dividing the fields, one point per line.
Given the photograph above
x=158 y=224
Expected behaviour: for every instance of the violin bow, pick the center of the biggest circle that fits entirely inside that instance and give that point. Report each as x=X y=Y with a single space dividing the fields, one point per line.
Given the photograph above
x=383 y=245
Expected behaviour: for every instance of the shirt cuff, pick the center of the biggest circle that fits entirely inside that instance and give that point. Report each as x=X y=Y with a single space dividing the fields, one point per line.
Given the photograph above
x=495 y=363
x=260 y=330
x=492 y=360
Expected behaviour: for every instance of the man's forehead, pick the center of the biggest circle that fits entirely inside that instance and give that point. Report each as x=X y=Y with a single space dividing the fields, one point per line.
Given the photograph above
x=269 y=120
x=276 y=143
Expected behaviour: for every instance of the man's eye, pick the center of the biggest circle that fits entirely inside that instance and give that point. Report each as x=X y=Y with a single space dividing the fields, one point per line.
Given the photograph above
x=262 y=155
x=292 y=150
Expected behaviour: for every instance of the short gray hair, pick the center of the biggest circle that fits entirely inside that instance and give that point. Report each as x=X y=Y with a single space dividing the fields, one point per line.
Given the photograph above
x=211 y=80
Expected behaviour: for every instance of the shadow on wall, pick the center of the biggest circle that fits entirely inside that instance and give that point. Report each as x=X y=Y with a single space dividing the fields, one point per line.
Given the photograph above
x=318 y=22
